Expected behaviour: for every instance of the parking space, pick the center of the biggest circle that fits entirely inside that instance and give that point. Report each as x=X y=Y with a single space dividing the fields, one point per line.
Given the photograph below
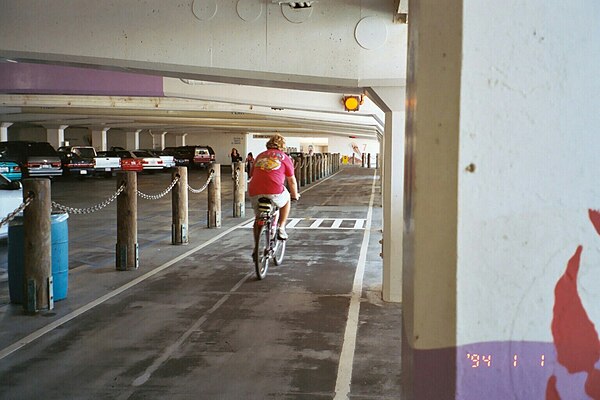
x=193 y=321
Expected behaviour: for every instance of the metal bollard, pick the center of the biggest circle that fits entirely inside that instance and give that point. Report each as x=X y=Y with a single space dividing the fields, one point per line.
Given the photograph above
x=239 y=192
x=127 y=245
x=179 y=206
x=37 y=256
x=214 y=197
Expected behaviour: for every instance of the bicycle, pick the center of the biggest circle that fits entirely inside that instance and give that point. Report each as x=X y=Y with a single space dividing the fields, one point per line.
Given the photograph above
x=267 y=245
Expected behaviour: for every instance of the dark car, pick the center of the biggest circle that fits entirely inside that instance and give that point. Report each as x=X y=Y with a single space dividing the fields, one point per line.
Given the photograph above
x=77 y=160
x=192 y=156
x=35 y=158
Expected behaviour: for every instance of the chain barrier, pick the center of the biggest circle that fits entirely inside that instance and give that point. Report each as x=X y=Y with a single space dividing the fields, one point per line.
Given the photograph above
x=16 y=212
x=161 y=194
x=92 y=209
x=210 y=176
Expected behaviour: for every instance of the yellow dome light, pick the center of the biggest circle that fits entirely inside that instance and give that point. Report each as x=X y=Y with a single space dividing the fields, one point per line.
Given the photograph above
x=352 y=103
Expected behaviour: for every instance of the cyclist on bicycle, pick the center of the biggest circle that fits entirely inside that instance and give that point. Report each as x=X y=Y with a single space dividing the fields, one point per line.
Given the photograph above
x=272 y=168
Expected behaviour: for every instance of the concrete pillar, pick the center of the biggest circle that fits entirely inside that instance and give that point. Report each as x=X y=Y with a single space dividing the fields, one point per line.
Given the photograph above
x=99 y=141
x=37 y=244
x=391 y=101
x=180 y=139
x=132 y=140
x=4 y=131
x=163 y=141
x=55 y=135
x=179 y=206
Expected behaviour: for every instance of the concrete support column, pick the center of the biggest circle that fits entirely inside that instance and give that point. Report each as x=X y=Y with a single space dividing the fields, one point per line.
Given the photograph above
x=4 y=131
x=163 y=141
x=99 y=141
x=180 y=139
x=391 y=100
x=55 y=135
x=132 y=140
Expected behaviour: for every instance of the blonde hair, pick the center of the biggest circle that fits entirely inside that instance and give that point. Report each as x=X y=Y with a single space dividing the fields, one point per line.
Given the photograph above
x=276 y=142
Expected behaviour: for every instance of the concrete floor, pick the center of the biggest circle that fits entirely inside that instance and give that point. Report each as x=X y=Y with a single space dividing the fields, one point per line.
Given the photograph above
x=193 y=322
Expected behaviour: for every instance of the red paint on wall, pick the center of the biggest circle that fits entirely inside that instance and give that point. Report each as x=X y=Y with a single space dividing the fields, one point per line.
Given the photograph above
x=595 y=218
x=575 y=337
x=592 y=384
x=551 y=391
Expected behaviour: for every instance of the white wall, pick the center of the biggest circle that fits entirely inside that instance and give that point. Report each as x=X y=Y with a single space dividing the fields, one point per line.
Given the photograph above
x=532 y=93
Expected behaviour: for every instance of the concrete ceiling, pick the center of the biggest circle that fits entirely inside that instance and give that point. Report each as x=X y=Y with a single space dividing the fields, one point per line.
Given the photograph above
x=234 y=113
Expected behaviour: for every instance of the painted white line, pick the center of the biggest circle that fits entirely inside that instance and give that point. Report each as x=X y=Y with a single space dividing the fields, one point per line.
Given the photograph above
x=53 y=325
x=336 y=224
x=292 y=223
x=359 y=224
x=317 y=222
x=170 y=350
x=344 y=374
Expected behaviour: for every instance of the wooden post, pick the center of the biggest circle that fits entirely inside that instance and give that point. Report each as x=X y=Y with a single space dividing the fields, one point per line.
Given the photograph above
x=377 y=160
x=214 y=197
x=309 y=169
x=320 y=166
x=369 y=160
x=362 y=160
x=179 y=207
x=127 y=245
x=37 y=245
x=303 y=168
x=239 y=190
x=296 y=160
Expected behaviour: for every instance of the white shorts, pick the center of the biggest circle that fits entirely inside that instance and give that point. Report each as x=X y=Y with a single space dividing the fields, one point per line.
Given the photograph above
x=280 y=199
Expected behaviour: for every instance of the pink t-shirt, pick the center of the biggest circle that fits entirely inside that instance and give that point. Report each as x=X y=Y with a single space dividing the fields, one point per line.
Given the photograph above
x=269 y=172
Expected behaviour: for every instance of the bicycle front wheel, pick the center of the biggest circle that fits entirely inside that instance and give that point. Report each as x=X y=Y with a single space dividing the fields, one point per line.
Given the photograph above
x=279 y=251
x=261 y=253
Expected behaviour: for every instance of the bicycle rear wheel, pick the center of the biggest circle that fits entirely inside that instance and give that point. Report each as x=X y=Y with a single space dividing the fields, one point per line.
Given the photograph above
x=261 y=253
x=279 y=251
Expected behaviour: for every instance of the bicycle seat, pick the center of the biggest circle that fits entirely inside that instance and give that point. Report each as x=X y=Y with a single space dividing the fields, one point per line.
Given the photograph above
x=266 y=206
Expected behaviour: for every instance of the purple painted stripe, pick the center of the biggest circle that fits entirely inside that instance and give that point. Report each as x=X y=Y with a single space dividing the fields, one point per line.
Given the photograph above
x=493 y=371
x=54 y=79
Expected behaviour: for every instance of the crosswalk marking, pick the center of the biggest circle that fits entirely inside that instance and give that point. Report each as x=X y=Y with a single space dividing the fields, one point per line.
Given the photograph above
x=321 y=223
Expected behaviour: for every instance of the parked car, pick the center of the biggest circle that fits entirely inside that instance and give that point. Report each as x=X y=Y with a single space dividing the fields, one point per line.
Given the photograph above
x=106 y=165
x=193 y=156
x=129 y=162
x=10 y=169
x=182 y=157
x=35 y=158
x=11 y=197
x=168 y=160
x=149 y=162
x=77 y=160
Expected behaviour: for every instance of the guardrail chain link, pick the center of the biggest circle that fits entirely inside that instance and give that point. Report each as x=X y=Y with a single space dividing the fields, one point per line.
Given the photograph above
x=191 y=189
x=92 y=209
x=161 y=194
x=16 y=212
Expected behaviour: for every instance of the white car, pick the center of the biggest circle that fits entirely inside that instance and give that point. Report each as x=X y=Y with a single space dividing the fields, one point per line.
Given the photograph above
x=149 y=161
x=11 y=197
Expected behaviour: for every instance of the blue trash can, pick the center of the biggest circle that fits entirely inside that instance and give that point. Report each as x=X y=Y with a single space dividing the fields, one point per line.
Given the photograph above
x=59 y=234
